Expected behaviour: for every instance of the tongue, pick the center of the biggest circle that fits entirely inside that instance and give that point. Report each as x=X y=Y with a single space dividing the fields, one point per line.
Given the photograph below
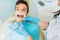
x=20 y=16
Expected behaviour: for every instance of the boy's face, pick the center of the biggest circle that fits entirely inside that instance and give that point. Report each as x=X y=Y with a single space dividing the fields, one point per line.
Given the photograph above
x=21 y=11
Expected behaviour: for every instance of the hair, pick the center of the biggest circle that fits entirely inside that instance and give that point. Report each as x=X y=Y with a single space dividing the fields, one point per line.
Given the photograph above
x=58 y=13
x=23 y=2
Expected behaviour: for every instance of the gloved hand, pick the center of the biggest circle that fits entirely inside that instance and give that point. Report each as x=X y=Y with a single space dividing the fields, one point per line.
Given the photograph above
x=31 y=19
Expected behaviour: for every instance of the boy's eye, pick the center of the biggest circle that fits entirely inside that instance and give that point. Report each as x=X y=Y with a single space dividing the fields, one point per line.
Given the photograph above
x=24 y=9
x=17 y=9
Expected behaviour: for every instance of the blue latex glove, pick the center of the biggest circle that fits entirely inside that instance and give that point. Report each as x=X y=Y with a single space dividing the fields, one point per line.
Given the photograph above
x=32 y=19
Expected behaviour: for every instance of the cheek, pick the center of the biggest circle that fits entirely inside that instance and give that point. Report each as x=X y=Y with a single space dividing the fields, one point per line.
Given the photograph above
x=26 y=14
x=15 y=14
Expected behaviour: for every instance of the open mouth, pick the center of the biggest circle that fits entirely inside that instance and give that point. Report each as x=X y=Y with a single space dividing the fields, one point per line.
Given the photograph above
x=20 y=16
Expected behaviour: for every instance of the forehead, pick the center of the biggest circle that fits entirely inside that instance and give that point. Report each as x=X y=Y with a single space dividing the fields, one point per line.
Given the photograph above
x=21 y=5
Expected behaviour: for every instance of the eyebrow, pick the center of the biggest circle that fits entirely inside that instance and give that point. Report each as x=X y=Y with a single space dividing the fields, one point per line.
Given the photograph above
x=25 y=8
x=17 y=7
